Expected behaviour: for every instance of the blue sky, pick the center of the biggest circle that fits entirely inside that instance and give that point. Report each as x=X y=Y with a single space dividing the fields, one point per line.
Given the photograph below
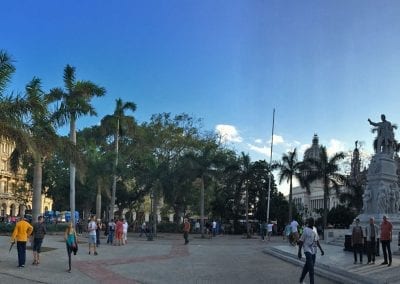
x=325 y=66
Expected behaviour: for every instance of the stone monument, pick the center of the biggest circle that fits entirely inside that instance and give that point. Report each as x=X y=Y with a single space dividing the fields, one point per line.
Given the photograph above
x=381 y=193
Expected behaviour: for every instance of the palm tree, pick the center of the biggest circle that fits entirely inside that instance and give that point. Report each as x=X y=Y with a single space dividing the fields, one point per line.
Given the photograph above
x=327 y=170
x=203 y=163
x=289 y=168
x=75 y=102
x=118 y=122
x=245 y=169
x=12 y=108
x=42 y=134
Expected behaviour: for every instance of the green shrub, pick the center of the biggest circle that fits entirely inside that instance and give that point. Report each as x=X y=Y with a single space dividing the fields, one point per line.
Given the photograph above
x=6 y=227
x=167 y=227
x=60 y=227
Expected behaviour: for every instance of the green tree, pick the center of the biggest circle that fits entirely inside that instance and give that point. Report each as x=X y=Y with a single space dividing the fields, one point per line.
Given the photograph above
x=290 y=168
x=44 y=136
x=327 y=171
x=117 y=124
x=74 y=102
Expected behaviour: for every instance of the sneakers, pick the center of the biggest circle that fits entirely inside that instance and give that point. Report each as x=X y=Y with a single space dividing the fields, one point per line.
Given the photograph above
x=95 y=253
x=383 y=263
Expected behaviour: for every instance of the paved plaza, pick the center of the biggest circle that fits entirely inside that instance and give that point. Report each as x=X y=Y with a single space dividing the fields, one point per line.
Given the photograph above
x=223 y=259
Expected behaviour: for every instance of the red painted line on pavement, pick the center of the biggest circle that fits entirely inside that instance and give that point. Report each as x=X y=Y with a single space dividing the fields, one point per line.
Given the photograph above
x=99 y=269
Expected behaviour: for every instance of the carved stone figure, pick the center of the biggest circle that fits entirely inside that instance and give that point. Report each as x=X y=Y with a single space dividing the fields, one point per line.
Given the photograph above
x=366 y=200
x=385 y=138
x=382 y=204
x=391 y=201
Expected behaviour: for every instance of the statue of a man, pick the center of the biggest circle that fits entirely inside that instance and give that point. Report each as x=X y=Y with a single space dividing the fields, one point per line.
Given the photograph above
x=385 y=134
x=366 y=200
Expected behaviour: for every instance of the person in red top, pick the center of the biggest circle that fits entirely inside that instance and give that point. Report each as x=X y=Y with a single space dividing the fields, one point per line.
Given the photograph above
x=186 y=230
x=118 y=231
x=386 y=238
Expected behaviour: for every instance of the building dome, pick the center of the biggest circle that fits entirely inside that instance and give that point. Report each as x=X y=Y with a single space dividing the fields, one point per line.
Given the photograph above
x=313 y=151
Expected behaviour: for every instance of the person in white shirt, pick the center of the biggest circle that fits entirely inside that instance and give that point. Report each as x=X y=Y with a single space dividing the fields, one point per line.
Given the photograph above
x=124 y=232
x=294 y=232
x=92 y=227
x=269 y=230
x=309 y=241
x=214 y=228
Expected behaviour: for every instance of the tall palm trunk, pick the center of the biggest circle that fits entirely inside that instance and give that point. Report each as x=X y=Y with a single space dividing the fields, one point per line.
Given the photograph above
x=72 y=171
x=114 y=185
x=247 y=214
x=37 y=188
x=290 y=198
x=202 y=207
x=98 y=200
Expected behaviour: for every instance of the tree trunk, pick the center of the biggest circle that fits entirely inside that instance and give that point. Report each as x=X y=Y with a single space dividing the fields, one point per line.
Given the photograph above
x=72 y=172
x=247 y=214
x=154 y=209
x=37 y=189
x=98 y=201
x=202 y=207
x=290 y=199
x=114 y=185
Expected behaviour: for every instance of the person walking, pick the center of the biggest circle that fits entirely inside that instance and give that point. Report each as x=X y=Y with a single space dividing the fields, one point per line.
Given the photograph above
x=92 y=226
x=39 y=230
x=71 y=242
x=386 y=238
x=357 y=241
x=371 y=234
x=263 y=230
x=142 y=229
x=269 y=230
x=186 y=230
x=308 y=241
x=21 y=233
x=214 y=228
x=111 y=230
x=119 y=227
x=124 y=232
x=98 y=231
x=294 y=232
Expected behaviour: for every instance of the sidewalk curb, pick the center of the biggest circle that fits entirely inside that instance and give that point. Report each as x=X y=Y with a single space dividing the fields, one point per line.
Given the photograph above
x=331 y=273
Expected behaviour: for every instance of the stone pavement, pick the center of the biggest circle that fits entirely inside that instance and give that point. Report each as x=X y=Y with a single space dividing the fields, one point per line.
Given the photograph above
x=337 y=264
x=224 y=259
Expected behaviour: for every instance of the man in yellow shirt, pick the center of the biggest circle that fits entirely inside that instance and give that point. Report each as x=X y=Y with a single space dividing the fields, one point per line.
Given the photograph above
x=21 y=233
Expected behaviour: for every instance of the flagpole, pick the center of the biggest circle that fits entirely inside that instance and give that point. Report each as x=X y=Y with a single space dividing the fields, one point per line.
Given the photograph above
x=270 y=163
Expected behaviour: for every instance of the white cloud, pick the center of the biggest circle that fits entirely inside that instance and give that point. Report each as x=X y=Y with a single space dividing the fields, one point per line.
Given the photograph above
x=258 y=141
x=228 y=133
x=277 y=139
x=262 y=150
x=335 y=146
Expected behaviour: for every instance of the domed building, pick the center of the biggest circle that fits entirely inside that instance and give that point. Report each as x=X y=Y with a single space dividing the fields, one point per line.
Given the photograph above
x=312 y=202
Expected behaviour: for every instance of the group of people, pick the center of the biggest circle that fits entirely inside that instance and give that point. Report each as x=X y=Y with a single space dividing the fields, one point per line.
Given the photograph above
x=371 y=233
x=266 y=229
x=24 y=231
x=117 y=232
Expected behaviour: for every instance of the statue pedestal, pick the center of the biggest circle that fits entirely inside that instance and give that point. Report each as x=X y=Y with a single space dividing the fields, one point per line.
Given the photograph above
x=383 y=191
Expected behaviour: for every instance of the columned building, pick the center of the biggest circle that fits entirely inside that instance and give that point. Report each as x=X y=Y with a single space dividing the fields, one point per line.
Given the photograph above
x=308 y=203
x=15 y=191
